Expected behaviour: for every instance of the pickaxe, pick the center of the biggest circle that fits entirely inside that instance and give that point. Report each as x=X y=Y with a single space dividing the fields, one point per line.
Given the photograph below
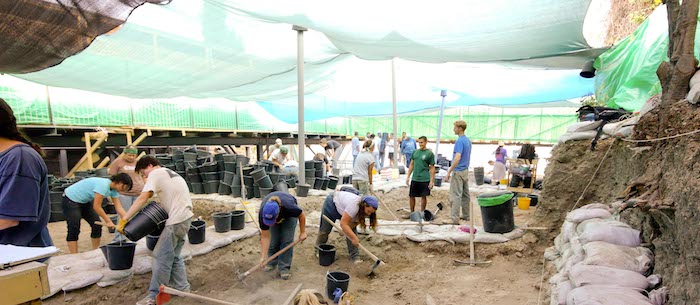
x=377 y=261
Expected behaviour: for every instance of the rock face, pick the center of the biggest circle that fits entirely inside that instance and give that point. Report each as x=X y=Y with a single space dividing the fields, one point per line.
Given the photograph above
x=670 y=233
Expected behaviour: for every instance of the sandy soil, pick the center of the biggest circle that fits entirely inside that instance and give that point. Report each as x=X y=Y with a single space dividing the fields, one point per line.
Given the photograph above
x=413 y=270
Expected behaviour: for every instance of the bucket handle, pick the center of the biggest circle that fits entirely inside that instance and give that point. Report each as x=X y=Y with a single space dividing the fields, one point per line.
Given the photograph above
x=328 y=273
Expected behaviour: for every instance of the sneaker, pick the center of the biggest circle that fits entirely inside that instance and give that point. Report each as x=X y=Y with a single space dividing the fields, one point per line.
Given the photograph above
x=357 y=261
x=146 y=301
x=285 y=275
x=268 y=268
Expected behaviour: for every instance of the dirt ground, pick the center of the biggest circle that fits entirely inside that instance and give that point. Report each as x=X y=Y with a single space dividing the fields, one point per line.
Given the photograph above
x=413 y=270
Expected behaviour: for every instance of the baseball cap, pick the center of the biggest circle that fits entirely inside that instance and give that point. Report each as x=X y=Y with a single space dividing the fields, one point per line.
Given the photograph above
x=278 y=141
x=270 y=212
x=284 y=149
x=371 y=201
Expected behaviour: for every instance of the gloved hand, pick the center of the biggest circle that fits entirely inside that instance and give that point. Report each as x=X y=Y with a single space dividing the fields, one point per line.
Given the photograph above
x=121 y=225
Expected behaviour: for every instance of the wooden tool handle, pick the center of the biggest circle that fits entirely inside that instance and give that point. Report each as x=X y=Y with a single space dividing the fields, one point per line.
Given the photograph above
x=243 y=196
x=176 y=292
x=273 y=256
x=291 y=296
x=337 y=227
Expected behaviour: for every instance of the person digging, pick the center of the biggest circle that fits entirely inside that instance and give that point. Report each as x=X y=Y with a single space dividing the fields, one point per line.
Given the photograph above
x=278 y=220
x=352 y=210
x=279 y=157
x=168 y=267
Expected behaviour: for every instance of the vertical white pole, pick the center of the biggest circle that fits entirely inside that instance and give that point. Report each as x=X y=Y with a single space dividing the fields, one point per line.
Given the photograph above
x=443 y=93
x=300 y=97
x=393 y=97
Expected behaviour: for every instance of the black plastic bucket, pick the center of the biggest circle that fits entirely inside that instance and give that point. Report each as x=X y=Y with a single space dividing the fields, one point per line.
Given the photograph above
x=256 y=192
x=438 y=182
x=248 y=180
x=326 y=254
x=318 y=173
x=309 y=165
x=197 y=232
x=533 y=199
x=151 y=241
x=479 y=175
x=197 y=187
x=247 y=170
x=281 y=186
x=302 y=190
x=347 y=179
x=222 y=222
x=498 y=218
x=258 y=174
x=324 y=184
x=241 y=159
x=236 y=180
x=309 y=173
x=149 y=219
x=292 y=182
x=332 y=182
x=228 y=178
x=249 y=192
x=265 y=191
x=211 y=187
x=264 y=182
x=119 y=256
x=318 y=165
x=236 y=191
x=318 y=183
x=337 y=279
x=194 y=177
x=237 y=220
x=224 y=189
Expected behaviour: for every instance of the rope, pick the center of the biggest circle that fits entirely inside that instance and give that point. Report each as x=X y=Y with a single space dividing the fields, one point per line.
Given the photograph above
x=592 y=177
x=664 y=138
x=539 y=294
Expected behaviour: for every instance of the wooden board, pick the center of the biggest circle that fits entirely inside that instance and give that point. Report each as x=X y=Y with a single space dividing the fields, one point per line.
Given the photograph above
x=24 y=283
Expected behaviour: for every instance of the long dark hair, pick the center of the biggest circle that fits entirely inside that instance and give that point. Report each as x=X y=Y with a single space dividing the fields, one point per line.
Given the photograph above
x=362 y=218
x=8 y=127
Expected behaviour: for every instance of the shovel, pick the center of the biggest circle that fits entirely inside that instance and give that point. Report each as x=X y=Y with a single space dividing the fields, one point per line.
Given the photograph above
x=377 y=261
x=242 y=276
x=165 y=292
x=243 y=197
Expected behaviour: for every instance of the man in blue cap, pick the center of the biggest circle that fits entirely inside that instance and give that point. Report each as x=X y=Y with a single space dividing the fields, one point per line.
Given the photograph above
x=278 y=220
x=352 y=210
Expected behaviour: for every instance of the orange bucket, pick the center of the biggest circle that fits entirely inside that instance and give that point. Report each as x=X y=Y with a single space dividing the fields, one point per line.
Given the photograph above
x=524 y=203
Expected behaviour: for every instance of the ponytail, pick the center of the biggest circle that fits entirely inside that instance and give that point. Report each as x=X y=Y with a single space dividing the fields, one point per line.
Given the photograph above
x=309 y=297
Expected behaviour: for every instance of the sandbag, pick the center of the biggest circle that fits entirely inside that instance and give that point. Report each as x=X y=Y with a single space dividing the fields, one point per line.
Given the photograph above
x=605 y=295
x=694 y=93
x=575 y=136
x=583 y=126
x=608 y=230
x=610 y=128
x=551 y=254
x=111 y=277
x=81 y=280
x=580 y=215
x=568 y=230
x=637 y=259
x=563 y=289
x=581 y=275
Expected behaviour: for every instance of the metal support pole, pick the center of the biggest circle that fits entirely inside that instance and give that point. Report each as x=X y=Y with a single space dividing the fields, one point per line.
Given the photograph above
x=443 y=93
x=300 y=97
x=393 y=97
x=63 y=162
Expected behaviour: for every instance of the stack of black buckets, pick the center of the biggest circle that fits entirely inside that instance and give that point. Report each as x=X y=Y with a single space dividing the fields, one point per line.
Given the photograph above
x=58 y=185
x=314 y=172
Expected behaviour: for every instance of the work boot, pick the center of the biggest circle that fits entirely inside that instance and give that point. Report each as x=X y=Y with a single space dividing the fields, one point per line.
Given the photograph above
x=269 y=268
x=146 y=301
x=285 y=275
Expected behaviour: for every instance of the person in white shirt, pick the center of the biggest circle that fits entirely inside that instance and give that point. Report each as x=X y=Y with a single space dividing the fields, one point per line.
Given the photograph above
x=168 y=267
x=356 y=148
x=390 y=149
x=279 y=157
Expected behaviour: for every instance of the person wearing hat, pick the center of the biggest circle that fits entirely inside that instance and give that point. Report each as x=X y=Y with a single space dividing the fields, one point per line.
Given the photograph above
x=126 y=163
x=279 y=157
x=271 y=149
x=352 y=210
x=278 y=221
x=24 y=188
x=499 y=167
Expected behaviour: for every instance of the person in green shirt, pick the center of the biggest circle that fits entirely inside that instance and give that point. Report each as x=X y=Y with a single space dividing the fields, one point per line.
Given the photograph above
x=423 y=168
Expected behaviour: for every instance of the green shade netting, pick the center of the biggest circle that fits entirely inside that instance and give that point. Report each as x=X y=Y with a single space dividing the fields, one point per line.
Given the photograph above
x=626 y=74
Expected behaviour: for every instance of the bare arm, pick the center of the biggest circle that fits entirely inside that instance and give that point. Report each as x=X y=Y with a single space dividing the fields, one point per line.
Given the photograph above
x=8 y=223
x=455 y=161
x=264 y=244
x=97 y=206
x=346 y=224
x=432 y=176
x=302 y=225
x=410 y=171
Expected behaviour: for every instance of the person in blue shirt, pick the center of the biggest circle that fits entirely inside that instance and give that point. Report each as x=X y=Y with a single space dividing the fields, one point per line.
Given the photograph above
x=84 y=200
x=24 y=187
x=278 y=219
x=459 y=171
x=408 y=145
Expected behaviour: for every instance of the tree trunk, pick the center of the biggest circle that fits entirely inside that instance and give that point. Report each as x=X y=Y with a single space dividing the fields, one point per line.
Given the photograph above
x=675 y=74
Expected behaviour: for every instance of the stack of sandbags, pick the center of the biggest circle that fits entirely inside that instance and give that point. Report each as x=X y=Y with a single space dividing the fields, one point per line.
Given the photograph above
x=580 y=131
x=621 y=129
x=600 y=261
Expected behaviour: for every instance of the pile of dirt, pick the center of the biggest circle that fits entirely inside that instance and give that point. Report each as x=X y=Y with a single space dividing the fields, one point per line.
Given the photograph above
x=667 y=223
